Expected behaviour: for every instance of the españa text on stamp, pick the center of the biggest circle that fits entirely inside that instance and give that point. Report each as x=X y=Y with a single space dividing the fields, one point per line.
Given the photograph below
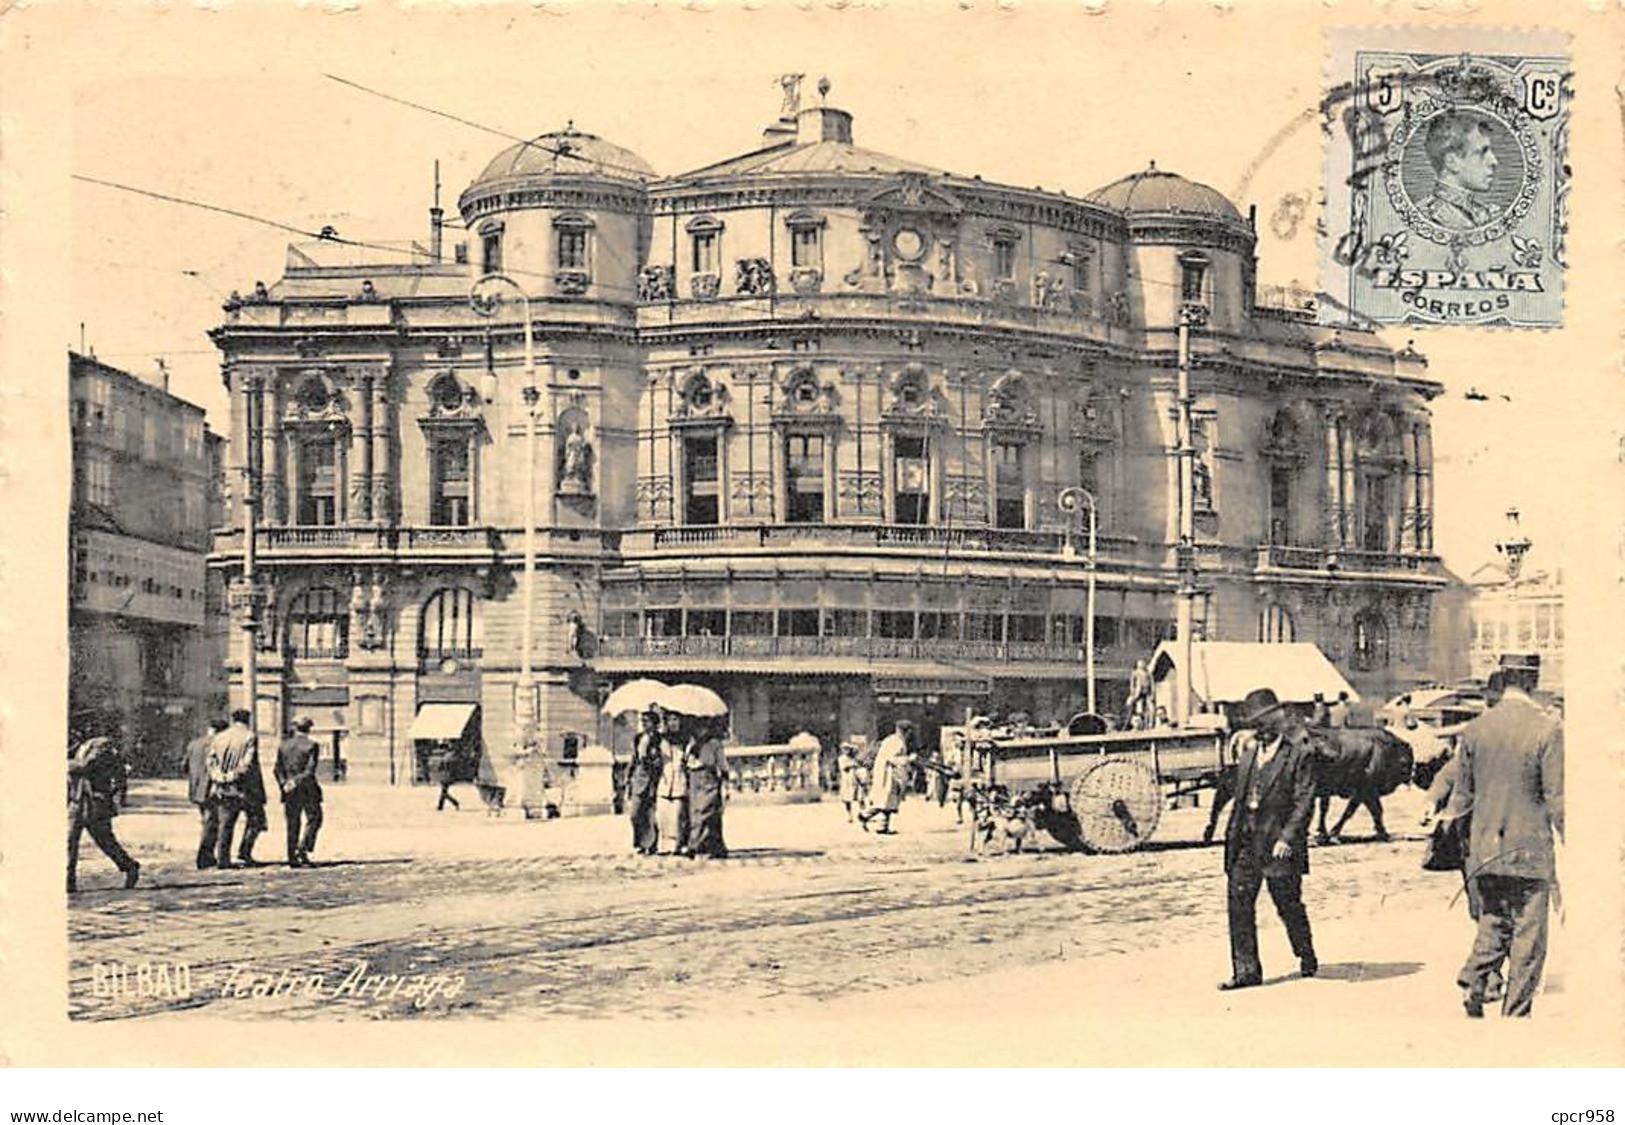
x=1447 y=180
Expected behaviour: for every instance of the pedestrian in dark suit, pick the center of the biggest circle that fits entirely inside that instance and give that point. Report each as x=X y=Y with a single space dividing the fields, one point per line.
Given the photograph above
x=1267 y=840
x=95 y=771
x=295 y=772
x=642 y=781
x=1511 y=781
x=234 y=776
x=199 y=793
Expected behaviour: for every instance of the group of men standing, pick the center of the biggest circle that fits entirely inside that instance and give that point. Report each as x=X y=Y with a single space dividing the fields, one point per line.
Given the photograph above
x=1506 y=794
x=675 y=788
x=225 y=782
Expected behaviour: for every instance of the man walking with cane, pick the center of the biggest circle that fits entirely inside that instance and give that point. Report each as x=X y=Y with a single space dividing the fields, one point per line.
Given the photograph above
x=200 y=793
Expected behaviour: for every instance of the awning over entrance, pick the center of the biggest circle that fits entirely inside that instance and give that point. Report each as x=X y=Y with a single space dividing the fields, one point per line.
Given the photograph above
x=944 y=681
x=1224 y=671
x=442 y=721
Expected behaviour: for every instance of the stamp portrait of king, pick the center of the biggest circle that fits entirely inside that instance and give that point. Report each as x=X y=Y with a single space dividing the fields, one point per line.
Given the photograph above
x=1449 y=181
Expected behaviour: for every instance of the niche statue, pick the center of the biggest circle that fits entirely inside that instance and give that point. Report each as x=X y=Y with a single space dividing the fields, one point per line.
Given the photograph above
x=575 y=464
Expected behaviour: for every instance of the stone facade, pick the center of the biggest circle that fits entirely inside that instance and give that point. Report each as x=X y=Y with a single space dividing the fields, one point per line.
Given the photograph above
x=798 y=428
x=142 y=647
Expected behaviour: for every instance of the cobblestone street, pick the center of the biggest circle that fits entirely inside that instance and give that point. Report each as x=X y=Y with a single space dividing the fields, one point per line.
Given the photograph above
x=558 y=919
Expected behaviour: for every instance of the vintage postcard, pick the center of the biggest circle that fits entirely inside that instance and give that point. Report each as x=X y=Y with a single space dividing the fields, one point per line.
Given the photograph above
x=811 y=535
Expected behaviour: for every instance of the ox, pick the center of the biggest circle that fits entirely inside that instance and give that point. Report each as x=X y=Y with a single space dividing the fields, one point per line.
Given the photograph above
x=1360 y=765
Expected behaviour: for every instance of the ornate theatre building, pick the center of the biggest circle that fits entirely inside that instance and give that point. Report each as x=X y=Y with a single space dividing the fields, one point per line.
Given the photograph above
x=797 y=426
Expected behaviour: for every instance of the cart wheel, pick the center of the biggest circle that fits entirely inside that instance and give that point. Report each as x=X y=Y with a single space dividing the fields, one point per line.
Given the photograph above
x=1118 y=803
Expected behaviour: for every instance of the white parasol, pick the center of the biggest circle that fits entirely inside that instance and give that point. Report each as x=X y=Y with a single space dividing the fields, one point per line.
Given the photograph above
x=804 y=741
x=635 y=695
x=693 y=699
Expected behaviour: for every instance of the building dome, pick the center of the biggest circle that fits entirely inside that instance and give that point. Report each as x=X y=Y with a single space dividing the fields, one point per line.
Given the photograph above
x=567 y=153
x=1154 y=191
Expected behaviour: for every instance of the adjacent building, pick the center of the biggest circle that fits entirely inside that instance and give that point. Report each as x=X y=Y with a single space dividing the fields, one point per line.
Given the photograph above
x=797 y=425
x=140 y=646
x=1516 y=611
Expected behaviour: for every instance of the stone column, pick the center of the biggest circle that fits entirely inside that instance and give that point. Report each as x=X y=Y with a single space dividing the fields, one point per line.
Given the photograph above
x=277 y=486
x=888 y=478
x=1351 y=494
x=361 y=439
x=1334 y=480
x=382 y=424
x=1409 y=510
x=1424 y=462
x=296 y=456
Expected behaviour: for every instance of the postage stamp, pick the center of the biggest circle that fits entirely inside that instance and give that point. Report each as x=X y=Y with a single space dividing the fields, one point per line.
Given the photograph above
x=1447 y=177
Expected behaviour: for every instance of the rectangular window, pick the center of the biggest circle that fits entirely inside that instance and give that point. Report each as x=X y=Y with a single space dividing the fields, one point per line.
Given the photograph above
x=1010 y=486
x=1004 y=259
x=705 y=252
x=572 y=248
x=98 y=480
x=621 y=623
x=1026 y=627
x=1080 y=272
x=449 y=479
x=750 y=623
x=986 y=627
x=662 y=622
x=849 y=622
x=939 y=626
x=1280 y=506
x=702 y=500
x=1192 y=275
x=706 y=623
x=798 y=623
x=149 y=438
x=491 y=252
x=804 y=478
x=911 y=479
x=894 y=624
x=318 y=482
x=804 y=248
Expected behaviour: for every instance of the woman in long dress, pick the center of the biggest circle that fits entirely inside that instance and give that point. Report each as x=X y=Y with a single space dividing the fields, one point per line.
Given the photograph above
x=707 y=780
x=671 y=805
x=893 y=768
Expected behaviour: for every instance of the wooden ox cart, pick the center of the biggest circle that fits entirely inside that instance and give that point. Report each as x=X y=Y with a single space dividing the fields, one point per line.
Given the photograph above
x=1095 y=792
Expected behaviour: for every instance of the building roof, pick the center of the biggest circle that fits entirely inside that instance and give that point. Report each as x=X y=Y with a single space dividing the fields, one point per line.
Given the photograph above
x=1154 y=191
x=568 y=153
x=809 y=159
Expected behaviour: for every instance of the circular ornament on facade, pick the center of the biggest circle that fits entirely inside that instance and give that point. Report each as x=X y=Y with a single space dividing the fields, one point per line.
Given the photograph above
x=1501 y=169
x=909 y=244
x=450 y=667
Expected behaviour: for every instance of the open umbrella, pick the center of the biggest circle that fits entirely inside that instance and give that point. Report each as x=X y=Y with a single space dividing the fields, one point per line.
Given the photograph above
x=804 y=741
x=692 y=699
x=635 y=695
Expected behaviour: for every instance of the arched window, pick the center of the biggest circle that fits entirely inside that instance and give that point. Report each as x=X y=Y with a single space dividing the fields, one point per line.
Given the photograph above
x=449 y=628
x=1275 y=626
x=318 y=625
x=1370 y=640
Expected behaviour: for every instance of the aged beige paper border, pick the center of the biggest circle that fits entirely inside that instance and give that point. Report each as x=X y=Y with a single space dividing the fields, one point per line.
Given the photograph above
x=51 y=50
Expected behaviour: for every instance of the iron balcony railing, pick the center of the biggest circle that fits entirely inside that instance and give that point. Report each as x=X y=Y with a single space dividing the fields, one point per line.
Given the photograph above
x=865 y=648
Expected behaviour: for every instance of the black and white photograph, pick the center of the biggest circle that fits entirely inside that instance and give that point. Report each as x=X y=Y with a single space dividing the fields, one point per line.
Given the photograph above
x=813 y=535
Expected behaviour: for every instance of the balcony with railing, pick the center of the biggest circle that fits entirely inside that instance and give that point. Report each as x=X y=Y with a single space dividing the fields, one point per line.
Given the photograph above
x=931 y=538
x=865 y=649
x=1274 y=558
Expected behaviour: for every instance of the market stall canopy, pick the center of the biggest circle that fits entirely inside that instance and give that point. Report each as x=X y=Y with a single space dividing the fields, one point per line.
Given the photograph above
x=1223 y=672
x=442 y=722
x=635 y=695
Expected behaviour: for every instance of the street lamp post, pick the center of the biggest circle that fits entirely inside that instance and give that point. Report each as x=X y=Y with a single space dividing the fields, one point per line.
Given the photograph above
x=1191 y=315
x=486 y=301
x=1078 y=500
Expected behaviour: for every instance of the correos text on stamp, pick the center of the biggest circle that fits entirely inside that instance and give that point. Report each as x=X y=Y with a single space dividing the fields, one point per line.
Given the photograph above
x=1447 y=178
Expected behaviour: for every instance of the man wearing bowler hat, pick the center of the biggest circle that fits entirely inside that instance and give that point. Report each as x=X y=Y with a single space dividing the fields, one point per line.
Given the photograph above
x=1267 y=840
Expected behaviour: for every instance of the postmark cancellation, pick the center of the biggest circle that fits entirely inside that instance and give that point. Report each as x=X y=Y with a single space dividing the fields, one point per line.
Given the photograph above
x=1448 y=177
